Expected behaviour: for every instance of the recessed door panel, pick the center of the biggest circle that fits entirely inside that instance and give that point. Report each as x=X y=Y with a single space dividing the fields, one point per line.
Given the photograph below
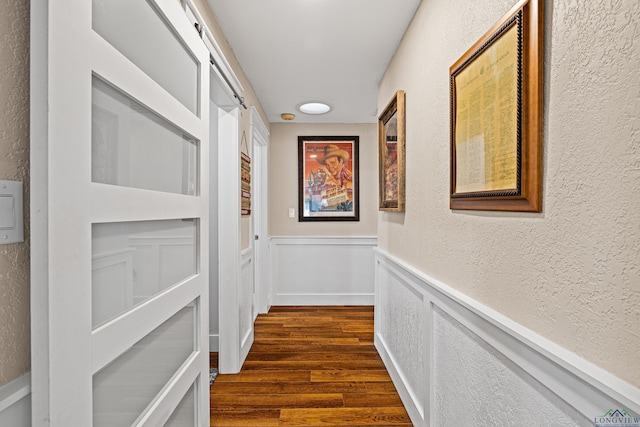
x=134 y=261
x=142 y=35
x=124 y=388
x=133 y=147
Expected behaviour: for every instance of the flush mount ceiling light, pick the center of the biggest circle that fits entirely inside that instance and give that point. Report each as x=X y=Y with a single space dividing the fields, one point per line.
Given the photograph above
x=314 y=108
x=287 y=116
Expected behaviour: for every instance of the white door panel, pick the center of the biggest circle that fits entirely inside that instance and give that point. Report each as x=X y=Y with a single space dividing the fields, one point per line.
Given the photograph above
x=120 y=219
x=135 y=29
x=260 y=142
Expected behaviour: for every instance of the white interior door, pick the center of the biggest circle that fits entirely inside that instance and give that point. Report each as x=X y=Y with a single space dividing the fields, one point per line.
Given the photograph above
x=224 y=229
x=260 y=142
x=120 y=223
x=231 y=329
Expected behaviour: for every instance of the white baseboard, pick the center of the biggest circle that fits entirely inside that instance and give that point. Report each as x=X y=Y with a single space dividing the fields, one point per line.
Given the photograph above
x=322 y=270
x=245 y=345
x=15 y=402
x=427 y=331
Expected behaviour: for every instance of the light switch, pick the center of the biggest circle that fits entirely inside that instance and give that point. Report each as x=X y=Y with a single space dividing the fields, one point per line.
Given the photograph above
x=7 y=218
x=292 y=213
x=11 y=221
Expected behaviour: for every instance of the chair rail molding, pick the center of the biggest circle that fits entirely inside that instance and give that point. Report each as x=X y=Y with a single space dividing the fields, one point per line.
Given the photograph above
x=432 y=337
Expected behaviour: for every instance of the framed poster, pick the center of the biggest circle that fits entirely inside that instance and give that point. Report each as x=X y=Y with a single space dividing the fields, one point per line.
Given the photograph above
x=496 y=116
x=391 y=155
x=328 y=182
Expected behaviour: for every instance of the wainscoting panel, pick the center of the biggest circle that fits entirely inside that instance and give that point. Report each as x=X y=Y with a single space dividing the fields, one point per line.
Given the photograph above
x=112 y=284
x=455 y=361
x=245 y=312
x=15 y=402
x=245 y=297
x=402 y=330
x=492 y=389
x=322 y=270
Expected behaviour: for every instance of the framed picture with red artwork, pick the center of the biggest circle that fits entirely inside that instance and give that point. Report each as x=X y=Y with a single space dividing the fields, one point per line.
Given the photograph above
x=391 y=154
x=328 y=182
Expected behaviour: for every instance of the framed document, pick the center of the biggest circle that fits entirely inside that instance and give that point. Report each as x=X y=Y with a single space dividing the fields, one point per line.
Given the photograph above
x=496 y=116
x=391 y=154
x=328 y=182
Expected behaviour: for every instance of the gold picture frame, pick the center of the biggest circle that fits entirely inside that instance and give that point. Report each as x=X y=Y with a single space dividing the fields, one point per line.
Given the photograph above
x=496 y=91
x=391 y=158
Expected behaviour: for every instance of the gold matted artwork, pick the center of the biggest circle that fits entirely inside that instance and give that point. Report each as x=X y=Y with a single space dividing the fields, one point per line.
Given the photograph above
x=391 y=154
x=496 y=116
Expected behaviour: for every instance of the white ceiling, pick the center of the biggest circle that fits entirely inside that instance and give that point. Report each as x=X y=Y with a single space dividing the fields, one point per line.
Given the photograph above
x=334 y=51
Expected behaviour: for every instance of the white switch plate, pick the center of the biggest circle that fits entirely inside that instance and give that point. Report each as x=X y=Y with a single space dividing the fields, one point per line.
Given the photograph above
x=11 y=221
x=292 y=213
x=7 y=217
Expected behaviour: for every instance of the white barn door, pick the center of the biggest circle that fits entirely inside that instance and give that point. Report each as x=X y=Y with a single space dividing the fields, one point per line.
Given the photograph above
x=120 y=222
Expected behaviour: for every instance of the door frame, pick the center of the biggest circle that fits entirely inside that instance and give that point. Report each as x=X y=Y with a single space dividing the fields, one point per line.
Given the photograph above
x=260 y=217
x=229 y=360
x=230 y=354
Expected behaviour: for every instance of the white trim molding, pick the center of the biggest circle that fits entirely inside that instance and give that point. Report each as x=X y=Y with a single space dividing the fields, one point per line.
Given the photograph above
x=322 y=270
x=260 y=132
x=426 y=332
x=15 y=402
x=229 y=241
x=214 y=343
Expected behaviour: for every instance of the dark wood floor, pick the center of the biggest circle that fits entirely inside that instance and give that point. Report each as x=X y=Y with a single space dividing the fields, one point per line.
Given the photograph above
x=309 y=366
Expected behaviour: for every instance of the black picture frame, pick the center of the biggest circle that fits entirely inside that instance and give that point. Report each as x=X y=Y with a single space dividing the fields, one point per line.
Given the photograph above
x=328 y=178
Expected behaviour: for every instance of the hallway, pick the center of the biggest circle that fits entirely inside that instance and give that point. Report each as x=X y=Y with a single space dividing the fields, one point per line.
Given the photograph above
x=309 y=366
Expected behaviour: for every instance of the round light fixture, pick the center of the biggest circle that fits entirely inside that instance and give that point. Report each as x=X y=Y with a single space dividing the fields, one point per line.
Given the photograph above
x=287 y=116
x=314 y=108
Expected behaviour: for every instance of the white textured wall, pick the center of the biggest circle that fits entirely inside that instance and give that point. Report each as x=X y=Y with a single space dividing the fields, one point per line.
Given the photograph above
x=283 y=180
x=571 y=273
x=14 y=166
x=475 y=385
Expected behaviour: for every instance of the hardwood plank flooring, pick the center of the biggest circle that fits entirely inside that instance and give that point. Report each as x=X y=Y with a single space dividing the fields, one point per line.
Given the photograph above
x=309 y=366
